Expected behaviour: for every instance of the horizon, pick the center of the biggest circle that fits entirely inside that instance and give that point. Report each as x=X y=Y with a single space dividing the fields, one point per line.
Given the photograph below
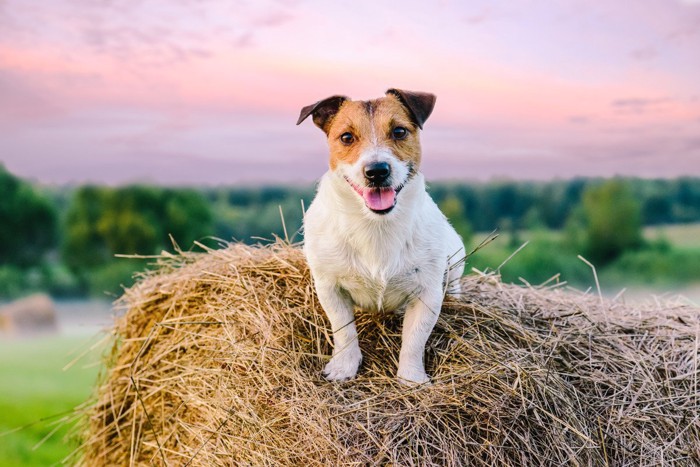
x=207 y=93
x=259 y=185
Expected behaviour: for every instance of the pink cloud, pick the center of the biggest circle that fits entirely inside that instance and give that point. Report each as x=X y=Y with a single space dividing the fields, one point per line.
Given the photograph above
x=550 y=84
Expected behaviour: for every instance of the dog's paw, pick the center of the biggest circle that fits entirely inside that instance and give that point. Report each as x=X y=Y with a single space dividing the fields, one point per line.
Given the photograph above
x=413 y=377
x=344 y=365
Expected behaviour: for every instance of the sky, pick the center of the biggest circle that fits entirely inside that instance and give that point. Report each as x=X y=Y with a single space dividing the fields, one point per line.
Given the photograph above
x=208 y=91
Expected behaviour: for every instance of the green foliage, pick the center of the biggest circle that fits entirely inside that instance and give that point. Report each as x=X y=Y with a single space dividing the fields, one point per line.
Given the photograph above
x=128 y=223
x=550 y=204
x=59 y=281
x=111 y=278
x=50 y=277
x=102 y=222
x=514 y=204
x=83 y=246
x=187 y=216
x=13 y=281
x=251 y=214
x=654 y=266
x=611 y=221
x=657 y=263
x=28 y=222
x=541 y=259
x=598 y=219
x=453 y=209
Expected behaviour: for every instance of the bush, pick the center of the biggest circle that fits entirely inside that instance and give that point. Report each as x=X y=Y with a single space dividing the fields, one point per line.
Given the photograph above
x=59 y=281
x=112 y=278
x=28 y=222
x=611 y=221
x=537 y=262
x=655 y=267
x=137 y=220
x=12 y=281
x=55 y=279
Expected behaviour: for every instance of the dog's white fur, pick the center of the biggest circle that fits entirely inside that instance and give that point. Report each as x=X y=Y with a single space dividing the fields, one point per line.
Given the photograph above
x=404 y=260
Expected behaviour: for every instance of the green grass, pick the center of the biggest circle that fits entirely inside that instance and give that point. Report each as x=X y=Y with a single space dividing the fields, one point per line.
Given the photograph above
x=35 y=390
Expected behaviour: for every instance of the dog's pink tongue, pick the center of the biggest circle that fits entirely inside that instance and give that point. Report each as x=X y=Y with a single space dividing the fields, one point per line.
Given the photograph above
x=379 y=199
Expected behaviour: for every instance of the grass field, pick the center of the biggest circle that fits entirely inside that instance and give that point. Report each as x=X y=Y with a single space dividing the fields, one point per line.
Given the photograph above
x=680 y=235
x=37 y=395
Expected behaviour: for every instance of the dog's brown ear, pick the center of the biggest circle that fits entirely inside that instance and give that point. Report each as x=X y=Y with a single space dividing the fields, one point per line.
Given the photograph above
x=419 y=104
x=322 y=111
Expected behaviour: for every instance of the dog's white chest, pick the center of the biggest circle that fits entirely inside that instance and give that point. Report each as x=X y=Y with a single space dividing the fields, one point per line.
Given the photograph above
x=379 y=293
x=380 y=263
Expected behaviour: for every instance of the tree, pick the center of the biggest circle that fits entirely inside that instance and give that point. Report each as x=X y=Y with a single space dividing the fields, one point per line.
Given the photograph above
x=28 y=220
x=611 y=219
x=188 y=216
x=83 y=243
x=102 y=222
x=453 y=209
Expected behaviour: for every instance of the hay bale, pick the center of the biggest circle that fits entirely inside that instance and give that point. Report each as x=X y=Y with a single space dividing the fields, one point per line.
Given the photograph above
x=218 y=358
x=35 y=314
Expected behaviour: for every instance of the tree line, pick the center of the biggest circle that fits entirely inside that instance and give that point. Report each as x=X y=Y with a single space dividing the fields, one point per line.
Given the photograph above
x=520 y=204
x=66 y=239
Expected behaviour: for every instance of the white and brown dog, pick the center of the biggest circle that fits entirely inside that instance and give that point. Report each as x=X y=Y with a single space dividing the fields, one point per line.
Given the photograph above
x=374 y=238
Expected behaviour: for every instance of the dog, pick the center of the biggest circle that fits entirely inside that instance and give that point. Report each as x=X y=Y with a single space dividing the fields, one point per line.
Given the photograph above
x=373 y=237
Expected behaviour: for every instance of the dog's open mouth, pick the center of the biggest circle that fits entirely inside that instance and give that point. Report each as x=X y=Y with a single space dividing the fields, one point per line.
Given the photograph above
x=379 y=200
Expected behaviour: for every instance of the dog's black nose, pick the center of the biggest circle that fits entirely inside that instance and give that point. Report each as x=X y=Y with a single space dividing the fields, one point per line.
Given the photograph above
x=377 y=172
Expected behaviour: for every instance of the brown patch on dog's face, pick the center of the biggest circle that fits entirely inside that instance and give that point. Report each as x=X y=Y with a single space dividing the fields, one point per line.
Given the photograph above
x=364 y=125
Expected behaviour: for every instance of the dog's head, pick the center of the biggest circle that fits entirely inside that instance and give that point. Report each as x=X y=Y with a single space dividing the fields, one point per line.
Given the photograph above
x=374 y=145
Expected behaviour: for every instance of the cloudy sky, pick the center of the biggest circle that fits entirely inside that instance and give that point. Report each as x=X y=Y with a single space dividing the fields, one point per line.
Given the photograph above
x=208 y=91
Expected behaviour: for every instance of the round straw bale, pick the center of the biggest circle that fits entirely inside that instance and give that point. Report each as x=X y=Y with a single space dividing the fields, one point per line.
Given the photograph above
x=218 y=358
x=35 y=314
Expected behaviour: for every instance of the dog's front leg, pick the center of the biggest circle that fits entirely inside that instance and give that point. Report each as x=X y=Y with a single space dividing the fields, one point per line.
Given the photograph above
x=346 y=350
x=419 y=320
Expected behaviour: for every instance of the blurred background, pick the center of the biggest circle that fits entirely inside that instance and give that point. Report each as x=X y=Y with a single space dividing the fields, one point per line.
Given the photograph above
x=134 y=127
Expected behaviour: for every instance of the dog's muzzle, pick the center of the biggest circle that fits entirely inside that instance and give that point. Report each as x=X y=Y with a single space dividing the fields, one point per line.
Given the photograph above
x=379 y=195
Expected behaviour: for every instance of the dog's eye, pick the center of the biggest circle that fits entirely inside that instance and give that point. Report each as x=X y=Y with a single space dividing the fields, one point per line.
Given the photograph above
x=399 y=132
x=347 y=138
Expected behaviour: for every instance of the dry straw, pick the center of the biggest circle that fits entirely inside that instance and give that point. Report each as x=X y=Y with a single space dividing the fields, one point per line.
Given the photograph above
x=217 y=361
